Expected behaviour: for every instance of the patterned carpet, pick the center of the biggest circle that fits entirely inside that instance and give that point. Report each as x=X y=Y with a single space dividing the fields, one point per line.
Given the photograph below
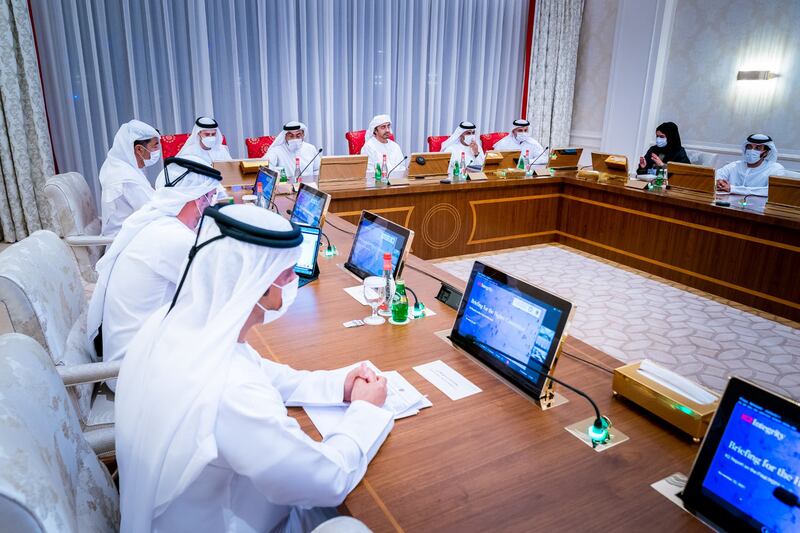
x=633 y=315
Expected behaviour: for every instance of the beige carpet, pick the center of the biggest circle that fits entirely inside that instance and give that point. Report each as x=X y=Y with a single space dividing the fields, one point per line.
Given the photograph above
x=633 y=315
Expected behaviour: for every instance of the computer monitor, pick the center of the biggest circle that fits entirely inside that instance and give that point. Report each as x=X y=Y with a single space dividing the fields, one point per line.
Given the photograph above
x=375 y=236
x=310 y=206
x=511 y=326
x=268 y=179
x=746 y=476
x=306 y=267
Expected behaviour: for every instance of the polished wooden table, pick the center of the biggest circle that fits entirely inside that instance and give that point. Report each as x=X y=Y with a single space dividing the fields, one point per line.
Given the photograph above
x=492 y=461
x=750 y=255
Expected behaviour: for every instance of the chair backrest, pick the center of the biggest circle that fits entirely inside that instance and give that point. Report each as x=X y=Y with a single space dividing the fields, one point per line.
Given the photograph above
x=488 y=140
x=50 y=479
x=356 y=140
x=257 y=146
x=172 y=144
x=435 y=142
x=706 y=159
x=42 y=291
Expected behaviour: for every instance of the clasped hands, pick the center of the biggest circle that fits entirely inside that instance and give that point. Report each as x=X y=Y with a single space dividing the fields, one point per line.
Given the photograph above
x=362 y=383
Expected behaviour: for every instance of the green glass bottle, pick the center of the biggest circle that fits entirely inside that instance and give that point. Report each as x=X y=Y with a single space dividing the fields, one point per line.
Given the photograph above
x=456 y=171
x=284 y=179
x=658 y=183
x=378 y=173
x=400 y=303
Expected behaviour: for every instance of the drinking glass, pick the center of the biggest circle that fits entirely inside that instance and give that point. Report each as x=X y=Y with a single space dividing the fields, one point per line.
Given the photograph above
x=374 y=294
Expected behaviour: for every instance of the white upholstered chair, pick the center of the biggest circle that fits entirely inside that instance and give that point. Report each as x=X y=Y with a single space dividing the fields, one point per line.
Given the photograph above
x=75 y=220
x=50 y=479
x=706 y=159
x=41 y=288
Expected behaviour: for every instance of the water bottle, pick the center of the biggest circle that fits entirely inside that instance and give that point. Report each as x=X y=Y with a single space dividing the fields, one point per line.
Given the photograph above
x=388 y=281
x=399 y=304
x=284 y=179
x=463 y=164
x=261 y=201
x=297 y=177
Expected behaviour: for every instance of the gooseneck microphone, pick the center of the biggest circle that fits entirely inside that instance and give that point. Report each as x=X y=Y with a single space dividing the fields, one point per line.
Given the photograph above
x=397 y=165
x=546 y=148
x=312 y=160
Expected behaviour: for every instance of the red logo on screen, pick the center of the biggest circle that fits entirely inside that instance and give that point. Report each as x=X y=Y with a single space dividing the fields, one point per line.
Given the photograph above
x=747 y=418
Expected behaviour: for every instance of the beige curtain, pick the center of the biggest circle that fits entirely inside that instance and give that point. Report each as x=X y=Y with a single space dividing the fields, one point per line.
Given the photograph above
x=554 y=57
x=26 y=157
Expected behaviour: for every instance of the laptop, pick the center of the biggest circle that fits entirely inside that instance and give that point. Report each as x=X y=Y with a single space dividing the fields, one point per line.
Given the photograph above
x=268 y=179
x=376 y=235
x=746 y=476
x=512 y=327
x=306 y=268
x=310 y=206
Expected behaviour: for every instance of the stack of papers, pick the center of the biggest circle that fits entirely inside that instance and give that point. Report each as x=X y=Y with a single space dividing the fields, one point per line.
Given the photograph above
x=402 y=399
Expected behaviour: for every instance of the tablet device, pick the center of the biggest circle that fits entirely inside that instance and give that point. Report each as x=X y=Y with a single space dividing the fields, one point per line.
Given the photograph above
x=375 y=236
x=310 y=206
x=268 y=179
x=746 y=476
x=510 y=326
x=306 y=267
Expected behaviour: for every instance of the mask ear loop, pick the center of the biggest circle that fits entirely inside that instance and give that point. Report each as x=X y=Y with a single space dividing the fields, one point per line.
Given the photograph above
x=192 y=253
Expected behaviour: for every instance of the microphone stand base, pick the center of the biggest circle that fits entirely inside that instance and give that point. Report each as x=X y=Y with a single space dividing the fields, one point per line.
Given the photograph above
x=580 y=431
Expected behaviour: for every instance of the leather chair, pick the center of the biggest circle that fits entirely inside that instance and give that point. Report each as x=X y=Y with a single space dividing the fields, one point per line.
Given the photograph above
x=356 y=140
x=488 y=140
x=257 y=146
x=41 y=289
x=706 y=159
x=172 y=144
x=50 y=479
x=75 y=220
x=435 y=142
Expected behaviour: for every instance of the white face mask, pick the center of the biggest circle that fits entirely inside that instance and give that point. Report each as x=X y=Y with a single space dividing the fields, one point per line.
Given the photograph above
x=154 y=157
x=752 y=156
x=468 y=139
x=661 y=142
x=288 y=294
x=295 y=144
x=209 y=142
x=521 y=137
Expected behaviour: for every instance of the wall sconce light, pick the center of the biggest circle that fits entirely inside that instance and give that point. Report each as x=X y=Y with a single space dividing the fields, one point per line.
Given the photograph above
x=758 y=75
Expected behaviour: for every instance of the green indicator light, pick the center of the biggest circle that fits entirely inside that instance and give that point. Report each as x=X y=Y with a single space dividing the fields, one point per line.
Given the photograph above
x=684 y=409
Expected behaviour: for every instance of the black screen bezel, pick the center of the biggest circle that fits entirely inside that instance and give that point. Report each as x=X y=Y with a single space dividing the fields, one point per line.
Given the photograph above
x=405 y=233
x=533 y=389
x=318 y=232
x=275 y=178
x=693 y=498
x=305 y=188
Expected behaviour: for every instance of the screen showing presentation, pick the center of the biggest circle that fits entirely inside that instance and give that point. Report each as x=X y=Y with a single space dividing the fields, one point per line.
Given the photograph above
x=267 y=179
x=374 y=237
x=309 y=249
x=309 y=206
x=515 y=326
x=759 y=452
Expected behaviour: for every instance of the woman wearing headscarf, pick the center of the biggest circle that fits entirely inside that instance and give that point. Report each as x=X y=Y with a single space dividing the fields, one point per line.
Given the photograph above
x=668 y=148
x=204 y=441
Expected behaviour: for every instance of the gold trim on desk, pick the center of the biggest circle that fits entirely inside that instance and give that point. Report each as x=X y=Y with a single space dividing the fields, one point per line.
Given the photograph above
x=378 y=211
x=473 y=203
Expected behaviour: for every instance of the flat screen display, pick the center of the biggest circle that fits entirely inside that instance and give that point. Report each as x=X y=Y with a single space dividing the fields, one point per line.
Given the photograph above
x=309 y=250
x=375 y=236
x=267 y=178
x=511 y=326
x=747 y=474
x=309 y=207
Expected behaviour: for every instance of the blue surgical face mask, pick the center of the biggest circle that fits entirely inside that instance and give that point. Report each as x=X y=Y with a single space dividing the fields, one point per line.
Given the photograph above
x=661 y=142
x=752 y=156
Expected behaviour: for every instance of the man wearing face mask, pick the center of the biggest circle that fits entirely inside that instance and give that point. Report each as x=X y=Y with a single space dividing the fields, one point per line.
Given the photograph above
x=289 y=145
x=206 y=142
x=519 y=139
x=204 y=441
x=464 y=140
x=378 y=144
x=139 y=272
x=124 y=186
x=751 y=175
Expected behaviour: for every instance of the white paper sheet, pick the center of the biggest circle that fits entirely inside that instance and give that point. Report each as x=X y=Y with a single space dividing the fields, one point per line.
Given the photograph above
x=447 y=380
x=357 y=293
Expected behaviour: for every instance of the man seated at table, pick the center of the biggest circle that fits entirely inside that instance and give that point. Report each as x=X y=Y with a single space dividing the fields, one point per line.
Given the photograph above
x=520 y=140
x=139 y=272
x=289 y=145
x=751 y=175
x=206 y=142
x=464 y=140
x=204 y=441
x=123 y=184
x=378 y=144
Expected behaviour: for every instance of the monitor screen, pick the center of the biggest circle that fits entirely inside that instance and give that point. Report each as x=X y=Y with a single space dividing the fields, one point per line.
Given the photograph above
x=747 y=474
x=375 y=236
x=267 y=178
x=309 y=207
x=309 y=249
x=510 y=325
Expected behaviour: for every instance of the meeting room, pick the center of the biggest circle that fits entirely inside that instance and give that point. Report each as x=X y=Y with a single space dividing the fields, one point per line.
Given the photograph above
x=348 y=266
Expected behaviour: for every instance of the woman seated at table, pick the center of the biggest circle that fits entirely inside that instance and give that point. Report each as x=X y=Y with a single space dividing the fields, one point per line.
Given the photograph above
x=667 y=148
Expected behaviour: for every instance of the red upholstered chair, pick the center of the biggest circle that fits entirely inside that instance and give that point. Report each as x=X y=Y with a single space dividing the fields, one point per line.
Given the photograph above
x=172 y=144
x=356 y=140
x=435 y=142
x=488 y=140
x=257 y=146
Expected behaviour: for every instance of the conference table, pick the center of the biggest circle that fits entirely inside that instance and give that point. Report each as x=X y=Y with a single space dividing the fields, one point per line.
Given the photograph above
x=493 y=460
